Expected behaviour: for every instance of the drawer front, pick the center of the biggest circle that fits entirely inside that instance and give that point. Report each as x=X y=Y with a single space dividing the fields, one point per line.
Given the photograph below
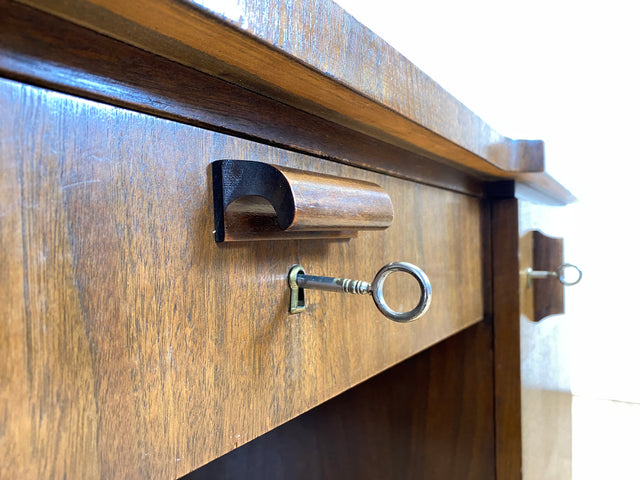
x=137 y=344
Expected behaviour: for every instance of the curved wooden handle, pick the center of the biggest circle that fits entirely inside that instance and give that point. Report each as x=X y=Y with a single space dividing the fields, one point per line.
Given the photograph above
x=259 y=201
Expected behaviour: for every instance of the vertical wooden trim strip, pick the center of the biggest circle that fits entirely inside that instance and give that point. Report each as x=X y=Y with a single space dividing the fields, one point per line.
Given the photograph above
x=506 y=334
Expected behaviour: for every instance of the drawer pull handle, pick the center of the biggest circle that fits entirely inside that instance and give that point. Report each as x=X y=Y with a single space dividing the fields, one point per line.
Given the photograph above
x=259 y=201
x=299 y=281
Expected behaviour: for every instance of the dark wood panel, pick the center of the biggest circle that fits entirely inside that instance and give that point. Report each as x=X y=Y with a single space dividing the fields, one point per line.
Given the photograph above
x=44 y=50
x=430 y=417
x=506 y=323
x=140 y=347
x=548 y=293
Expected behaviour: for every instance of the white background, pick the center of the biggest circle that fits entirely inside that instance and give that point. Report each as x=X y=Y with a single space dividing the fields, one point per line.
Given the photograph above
x=568 y=73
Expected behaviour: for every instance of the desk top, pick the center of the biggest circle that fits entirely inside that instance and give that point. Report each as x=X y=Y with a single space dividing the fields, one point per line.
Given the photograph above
x=312 y=55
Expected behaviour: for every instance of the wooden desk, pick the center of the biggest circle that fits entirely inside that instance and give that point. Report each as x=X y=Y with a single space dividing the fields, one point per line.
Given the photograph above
x=137 y=346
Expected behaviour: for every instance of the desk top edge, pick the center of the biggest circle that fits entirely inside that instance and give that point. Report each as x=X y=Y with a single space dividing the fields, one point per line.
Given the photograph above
x=353 y=78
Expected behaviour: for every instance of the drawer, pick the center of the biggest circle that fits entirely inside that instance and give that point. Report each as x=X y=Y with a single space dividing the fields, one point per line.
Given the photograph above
x=139 y=345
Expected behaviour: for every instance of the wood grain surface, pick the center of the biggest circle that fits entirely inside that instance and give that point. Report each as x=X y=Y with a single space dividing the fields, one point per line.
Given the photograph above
x=137 y=346
x=297 y=202
x=541 y=297
x=506 y=337
x=548 y=293
x=335 y=68
x=41 y=49
x=44 y=50
x=413 y=421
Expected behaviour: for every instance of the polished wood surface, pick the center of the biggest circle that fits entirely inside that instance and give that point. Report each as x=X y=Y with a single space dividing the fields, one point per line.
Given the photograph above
x=413 y=421
x=44 y=50
x=548 y=293
x=274 y=202
x=506 y=324
x=136 y=345
x=391 y=100
x=542 y=297
x=353 y=79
